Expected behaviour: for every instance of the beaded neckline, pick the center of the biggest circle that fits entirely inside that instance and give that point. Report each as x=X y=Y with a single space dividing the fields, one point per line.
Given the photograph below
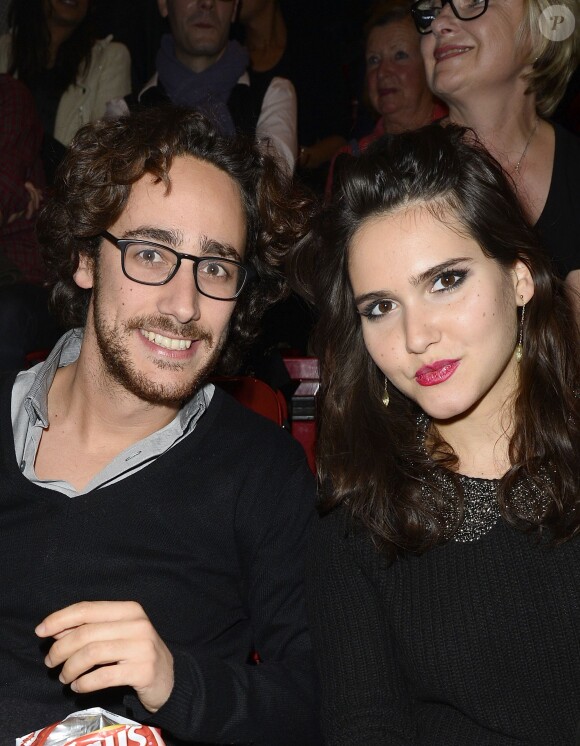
x=481 y=510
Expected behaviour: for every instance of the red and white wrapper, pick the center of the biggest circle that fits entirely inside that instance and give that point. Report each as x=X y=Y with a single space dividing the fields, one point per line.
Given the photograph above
x=94 y=727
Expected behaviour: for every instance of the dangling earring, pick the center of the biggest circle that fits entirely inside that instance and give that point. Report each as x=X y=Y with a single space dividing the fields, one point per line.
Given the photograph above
x=386 y=397
x=520 y=345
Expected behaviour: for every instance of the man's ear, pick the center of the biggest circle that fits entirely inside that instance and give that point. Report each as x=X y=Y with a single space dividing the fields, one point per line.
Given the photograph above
x=162 y=5
x=84 y=276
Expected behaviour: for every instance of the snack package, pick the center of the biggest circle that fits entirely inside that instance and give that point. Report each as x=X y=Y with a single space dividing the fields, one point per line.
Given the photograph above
x=94 y=727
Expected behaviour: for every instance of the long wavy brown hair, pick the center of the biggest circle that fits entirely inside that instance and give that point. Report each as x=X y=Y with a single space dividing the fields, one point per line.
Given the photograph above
x=371 y=459
x=94 y=182
x=27 y=20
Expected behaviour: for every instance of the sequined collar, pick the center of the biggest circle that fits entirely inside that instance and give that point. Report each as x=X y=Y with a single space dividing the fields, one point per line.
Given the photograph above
x=481 y=510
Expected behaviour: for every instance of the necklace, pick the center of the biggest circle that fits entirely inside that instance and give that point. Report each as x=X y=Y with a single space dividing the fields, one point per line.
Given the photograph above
x=523 y=155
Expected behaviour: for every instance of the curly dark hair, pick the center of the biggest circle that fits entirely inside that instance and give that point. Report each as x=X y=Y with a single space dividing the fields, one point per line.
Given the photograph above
x=372 y=459
x=94 y=182
x=31 y=43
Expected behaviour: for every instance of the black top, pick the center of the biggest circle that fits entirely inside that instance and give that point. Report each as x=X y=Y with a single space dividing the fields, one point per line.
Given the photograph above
x=559 y=223
x=470 y=644
x=209 y=539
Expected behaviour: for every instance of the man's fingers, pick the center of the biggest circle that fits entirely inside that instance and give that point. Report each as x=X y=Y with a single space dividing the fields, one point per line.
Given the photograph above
x=117 y=662
x=88 y=612
x=101 y=644
x=87 y=636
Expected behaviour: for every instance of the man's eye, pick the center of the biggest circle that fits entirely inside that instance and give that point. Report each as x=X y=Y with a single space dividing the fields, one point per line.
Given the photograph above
x=448 y=281
x=215 y=269
x=149 y=256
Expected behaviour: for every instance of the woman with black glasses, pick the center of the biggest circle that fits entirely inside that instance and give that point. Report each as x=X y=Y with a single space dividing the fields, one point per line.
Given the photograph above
x=502 y=66
x=444 y=578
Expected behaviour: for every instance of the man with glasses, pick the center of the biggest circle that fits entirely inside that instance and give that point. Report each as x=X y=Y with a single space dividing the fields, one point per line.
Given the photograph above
x=152 y=529
x=198 y=67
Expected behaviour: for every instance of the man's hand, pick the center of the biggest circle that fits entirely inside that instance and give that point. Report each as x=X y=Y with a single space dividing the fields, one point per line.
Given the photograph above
x=116 y=637
x=34 y=200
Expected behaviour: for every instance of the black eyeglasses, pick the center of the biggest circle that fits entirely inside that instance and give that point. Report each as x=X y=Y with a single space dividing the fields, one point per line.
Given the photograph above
x=151 y=263
x=424 y=12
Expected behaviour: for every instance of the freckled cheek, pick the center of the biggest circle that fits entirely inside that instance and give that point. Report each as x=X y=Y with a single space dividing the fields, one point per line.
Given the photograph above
x=381 y=347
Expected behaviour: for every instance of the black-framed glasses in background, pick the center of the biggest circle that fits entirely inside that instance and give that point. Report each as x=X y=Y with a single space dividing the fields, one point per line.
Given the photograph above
x=424 y=12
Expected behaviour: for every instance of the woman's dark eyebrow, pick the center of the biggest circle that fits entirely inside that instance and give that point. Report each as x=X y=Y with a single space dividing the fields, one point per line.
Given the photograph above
x=428 y=274
x=375 y=295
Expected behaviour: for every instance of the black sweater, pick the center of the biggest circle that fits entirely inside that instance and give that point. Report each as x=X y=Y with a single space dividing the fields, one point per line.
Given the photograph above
x=470 y=644
x=209 y=538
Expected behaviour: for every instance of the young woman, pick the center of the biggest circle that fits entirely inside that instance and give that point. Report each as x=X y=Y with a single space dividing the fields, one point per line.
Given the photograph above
x=72 y=75
x=444 y=586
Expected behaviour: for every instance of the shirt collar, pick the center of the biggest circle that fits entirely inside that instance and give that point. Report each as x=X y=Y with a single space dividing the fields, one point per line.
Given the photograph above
x=67 y=351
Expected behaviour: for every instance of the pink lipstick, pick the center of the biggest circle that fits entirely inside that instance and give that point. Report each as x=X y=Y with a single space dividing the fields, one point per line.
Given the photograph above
x=438 y=372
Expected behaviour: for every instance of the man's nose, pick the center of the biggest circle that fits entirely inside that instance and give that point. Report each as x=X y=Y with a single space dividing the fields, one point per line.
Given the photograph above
x=180 y=297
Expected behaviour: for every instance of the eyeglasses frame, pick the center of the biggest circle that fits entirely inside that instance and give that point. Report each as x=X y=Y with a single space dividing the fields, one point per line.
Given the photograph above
x=416 y=17
x=122 y=243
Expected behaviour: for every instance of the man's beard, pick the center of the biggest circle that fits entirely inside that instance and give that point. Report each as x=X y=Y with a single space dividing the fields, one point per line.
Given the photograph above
x=117 y=361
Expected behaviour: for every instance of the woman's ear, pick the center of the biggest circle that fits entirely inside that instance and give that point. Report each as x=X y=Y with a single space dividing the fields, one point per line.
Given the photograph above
x=523 y=283
x=84 y=276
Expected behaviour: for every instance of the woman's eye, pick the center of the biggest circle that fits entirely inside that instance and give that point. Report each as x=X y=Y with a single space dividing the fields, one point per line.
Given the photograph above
x=448 y=281
x=372 y=60
x=376 y=310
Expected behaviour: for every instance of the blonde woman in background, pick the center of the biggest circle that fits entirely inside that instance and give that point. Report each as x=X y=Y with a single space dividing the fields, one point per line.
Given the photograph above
x=502 y=67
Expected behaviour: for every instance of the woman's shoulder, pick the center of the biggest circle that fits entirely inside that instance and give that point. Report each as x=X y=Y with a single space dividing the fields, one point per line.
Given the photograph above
x=109 y=49
x=5 y=49
x=338 y=531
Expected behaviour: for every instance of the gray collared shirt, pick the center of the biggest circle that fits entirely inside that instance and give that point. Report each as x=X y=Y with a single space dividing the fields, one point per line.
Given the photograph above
x=30 y=419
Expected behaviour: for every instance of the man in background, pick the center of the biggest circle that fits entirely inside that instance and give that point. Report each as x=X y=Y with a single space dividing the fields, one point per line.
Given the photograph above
x=198 y=67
